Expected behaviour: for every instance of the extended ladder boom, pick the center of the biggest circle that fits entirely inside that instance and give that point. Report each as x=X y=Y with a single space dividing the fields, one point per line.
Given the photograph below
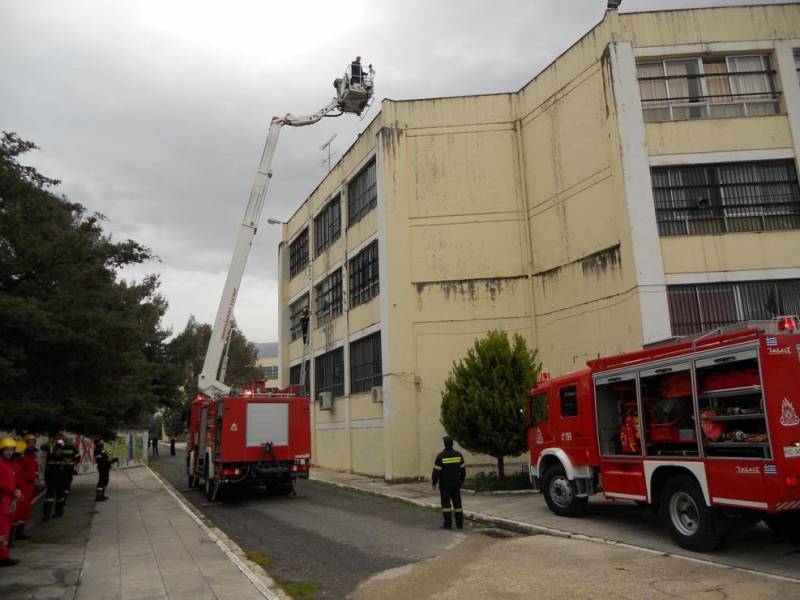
x=352 y=98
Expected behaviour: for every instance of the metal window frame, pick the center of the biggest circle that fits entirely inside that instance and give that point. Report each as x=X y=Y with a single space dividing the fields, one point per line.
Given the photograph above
x=744 y=100
x=363 y=275
x=329 y=372
x=361 y=201
x=727 y=205
x=743 y=293
x=328 y=225
x=328 y=298
x=298 y=253
x=365 y=357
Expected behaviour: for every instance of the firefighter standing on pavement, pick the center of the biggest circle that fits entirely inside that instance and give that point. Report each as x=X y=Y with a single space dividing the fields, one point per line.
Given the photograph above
x=104 y=463
x=54 y=479
x=449 y=473
x=71 y=460
x=9 y=494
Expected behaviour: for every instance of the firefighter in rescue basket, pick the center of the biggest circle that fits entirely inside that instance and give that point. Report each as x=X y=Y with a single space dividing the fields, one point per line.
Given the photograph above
x=449 y=473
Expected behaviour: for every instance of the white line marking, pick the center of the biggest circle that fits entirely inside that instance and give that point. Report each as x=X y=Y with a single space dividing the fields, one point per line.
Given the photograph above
x=257 y=583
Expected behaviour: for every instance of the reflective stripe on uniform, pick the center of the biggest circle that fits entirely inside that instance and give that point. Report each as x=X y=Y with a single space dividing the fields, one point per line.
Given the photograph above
x=49 y=500
x=437 y=467
x=447 y=510
x=458 y=510
x=450 y=461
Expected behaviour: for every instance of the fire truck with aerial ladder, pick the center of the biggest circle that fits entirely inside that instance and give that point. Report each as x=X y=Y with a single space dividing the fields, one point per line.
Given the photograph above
x=257 y=436
x=703 y=429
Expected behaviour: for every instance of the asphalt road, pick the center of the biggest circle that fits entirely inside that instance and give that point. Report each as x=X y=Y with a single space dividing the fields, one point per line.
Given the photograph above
x=326 y=536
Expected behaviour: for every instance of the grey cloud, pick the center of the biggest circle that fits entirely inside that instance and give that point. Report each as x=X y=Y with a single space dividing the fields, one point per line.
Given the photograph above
x=161 y=128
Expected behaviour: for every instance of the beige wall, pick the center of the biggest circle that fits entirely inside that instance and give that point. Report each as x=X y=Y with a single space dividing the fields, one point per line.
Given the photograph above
x=513 y=212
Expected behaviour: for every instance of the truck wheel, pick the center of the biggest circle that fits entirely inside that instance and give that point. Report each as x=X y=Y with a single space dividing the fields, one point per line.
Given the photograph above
x=561 y=494
x=210 y=488
x=691 y=523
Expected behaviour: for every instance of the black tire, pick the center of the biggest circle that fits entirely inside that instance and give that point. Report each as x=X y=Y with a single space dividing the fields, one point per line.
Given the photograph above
x=691 y=523
x=561 y=494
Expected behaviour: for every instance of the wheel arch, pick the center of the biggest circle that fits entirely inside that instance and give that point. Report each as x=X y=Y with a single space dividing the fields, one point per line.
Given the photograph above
x=554 y=456
x=658 y=473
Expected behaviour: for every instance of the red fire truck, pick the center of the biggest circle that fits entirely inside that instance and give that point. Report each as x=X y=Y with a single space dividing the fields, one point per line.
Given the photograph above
x=257 y=438
x=704 y=430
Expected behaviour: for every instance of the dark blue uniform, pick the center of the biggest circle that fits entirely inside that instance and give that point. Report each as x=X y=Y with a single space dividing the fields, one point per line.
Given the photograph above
x=449 y=473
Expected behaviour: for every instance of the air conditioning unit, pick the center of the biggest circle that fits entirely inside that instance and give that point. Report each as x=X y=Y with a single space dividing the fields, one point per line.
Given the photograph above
x=377 y=393
x=325 y=400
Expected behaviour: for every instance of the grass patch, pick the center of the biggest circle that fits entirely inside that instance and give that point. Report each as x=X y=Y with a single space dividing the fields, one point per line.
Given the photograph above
x=297 y=589
x=258 y=558
x=489 y=482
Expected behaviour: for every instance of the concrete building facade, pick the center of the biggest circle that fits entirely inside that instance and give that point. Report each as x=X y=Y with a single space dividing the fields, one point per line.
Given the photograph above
x=643 y=185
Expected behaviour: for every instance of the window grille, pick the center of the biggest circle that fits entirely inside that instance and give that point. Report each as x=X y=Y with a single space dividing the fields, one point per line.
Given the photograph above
x=328 y=298
x=365 y=364
x=294 y=376
x=363 y=275
x=295 y=312
x=327 y=226
x=329 y=373
x=697 y=308
x=298 y=253
x=270 y=372
x=726 y=198
x=362 y=194
x=694 y=88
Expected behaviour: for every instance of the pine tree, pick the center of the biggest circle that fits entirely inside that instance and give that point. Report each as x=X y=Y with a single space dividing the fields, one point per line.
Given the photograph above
x=484 y=394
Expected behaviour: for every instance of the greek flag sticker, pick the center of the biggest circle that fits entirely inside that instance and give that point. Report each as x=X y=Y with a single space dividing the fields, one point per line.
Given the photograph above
x=772 y=342
x=770 y=470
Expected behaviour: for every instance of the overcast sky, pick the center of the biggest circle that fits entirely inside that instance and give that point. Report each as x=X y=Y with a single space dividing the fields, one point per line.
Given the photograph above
x=154 y=113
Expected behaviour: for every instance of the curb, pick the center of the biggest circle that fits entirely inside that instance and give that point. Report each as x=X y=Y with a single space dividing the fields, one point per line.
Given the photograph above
x=523 y=527
x=232 y=550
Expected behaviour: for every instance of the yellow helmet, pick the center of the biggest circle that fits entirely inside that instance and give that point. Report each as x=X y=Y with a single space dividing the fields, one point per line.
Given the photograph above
x=21 y=447
x=28 y=437
x=8 y=443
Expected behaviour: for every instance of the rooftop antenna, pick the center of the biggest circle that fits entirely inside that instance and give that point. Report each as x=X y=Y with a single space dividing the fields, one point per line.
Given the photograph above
x=327 y=146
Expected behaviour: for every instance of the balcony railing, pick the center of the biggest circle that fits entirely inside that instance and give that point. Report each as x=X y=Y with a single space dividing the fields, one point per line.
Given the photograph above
x=691 y=98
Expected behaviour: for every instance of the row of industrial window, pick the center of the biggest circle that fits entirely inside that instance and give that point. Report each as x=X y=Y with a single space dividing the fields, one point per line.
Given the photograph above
x=725 y=198
x=697 y=308
x=365 y=368
x=362 y=197
x=702 y=87
x=329 y=293
x=269 y=372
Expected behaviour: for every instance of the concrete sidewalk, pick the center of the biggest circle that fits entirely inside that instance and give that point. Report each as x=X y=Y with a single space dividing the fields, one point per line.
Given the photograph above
x=620 y=523
x=142 y=543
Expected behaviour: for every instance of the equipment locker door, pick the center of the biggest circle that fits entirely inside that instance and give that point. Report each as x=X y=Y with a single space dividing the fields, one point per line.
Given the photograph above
x=734 y=427
x=619 y=436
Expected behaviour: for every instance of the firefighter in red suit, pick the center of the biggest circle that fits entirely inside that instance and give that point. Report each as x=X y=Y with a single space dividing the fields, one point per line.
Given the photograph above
x=9 y=493
x=30 y=469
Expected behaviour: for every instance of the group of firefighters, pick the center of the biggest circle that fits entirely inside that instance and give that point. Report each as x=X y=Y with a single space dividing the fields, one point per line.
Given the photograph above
x=19 y=472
